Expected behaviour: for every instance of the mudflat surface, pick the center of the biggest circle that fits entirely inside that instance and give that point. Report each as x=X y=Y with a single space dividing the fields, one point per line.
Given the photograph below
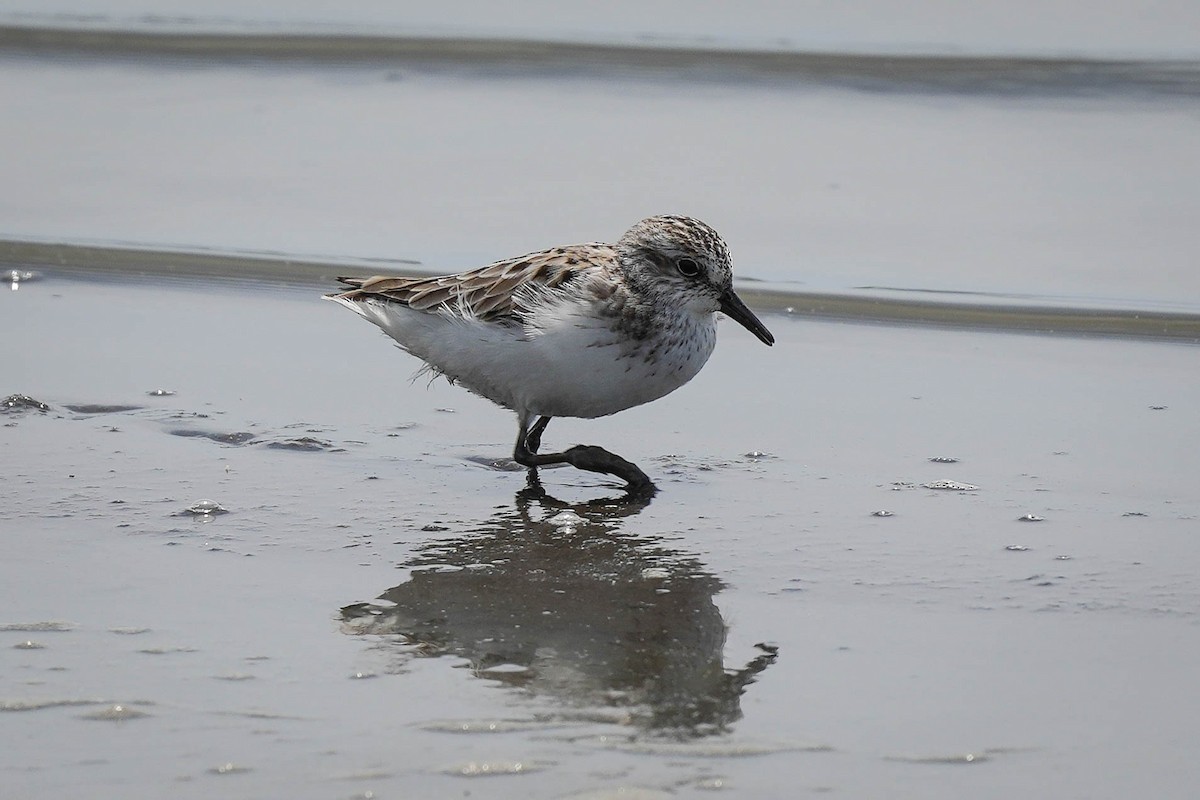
x=386 y=611
x=246 y=556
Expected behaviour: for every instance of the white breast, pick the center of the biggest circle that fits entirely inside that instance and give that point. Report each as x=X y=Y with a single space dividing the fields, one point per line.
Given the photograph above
x=581 y=367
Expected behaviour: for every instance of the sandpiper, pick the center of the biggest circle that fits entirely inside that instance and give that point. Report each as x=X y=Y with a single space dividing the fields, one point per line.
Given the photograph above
x=582 y=330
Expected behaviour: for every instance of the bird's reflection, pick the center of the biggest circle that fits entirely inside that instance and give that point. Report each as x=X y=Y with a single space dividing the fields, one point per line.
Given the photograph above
x=557 y=599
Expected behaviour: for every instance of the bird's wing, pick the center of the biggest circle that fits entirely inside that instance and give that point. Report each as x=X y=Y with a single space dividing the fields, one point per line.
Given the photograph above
x=490 y=292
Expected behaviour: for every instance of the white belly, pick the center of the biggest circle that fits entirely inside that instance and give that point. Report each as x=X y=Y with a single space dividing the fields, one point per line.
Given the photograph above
x=568 y=364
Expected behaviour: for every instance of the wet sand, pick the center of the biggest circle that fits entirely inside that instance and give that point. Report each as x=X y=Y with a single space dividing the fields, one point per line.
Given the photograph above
x=380 y=611
x=886 y=559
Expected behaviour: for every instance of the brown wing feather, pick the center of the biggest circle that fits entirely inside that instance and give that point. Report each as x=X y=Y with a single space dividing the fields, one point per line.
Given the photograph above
x=487 y=291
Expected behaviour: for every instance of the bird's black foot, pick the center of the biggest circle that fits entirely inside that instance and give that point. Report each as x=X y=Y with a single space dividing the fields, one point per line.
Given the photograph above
x=581 y=456
x=597 y=459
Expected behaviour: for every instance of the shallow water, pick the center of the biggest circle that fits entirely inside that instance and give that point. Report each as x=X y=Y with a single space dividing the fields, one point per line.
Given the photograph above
x=379 y=613
x=246 y=556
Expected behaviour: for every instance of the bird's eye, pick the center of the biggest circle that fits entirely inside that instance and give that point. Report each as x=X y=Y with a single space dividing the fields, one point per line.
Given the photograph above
x=687 y=267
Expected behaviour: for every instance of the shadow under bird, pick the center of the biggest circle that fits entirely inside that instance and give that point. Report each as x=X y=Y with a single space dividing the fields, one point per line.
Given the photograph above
x=583 y=330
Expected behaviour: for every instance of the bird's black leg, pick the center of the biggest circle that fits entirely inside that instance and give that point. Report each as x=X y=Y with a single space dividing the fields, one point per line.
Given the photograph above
x=586 y=457
x=533 y=439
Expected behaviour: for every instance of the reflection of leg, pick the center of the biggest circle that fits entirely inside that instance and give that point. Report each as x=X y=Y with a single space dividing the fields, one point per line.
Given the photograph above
x=587 y=457
x=745 y=676
x=533 y=490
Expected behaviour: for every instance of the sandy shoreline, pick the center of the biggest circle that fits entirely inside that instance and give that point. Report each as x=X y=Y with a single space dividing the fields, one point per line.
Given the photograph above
x=959 y=310
x=908 y=72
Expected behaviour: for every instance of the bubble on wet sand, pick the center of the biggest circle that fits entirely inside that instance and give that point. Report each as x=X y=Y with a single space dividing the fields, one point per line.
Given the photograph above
x=950 y=486
x=115 y=713
x=228 y=768
x=16 y=277
x=480 y=769
x=17 y=403
x=206 y=508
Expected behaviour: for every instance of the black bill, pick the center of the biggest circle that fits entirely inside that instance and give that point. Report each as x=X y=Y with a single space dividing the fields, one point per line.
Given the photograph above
x=735 y=309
